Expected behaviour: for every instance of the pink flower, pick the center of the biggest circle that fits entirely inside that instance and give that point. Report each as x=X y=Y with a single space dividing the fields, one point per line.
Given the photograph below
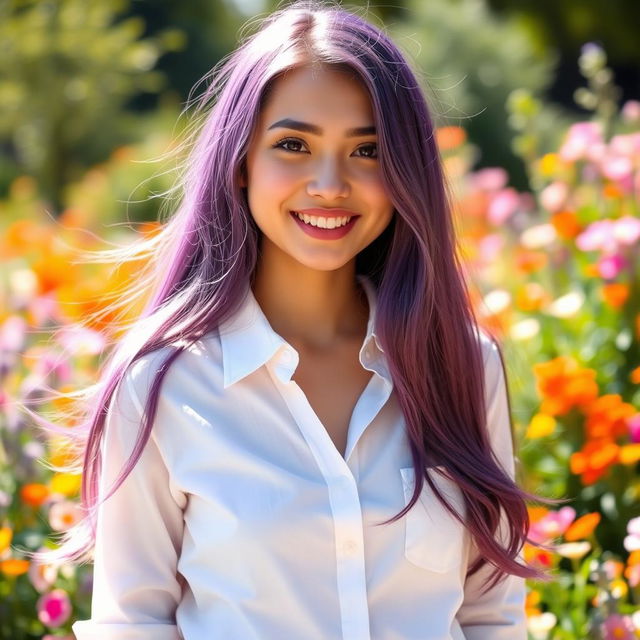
x=54 y=608
x=609 y=266
x=598 y=235
x=64 y=514
x=554 y=197
x=617 y=627
x=608 y=235
x=633 y=575
x=617 y=168
x=489 y=246
x=12 y=333
x=580 y=138
x=631 y=111
x=489 y=179
x=552 y=525
x=503 y=205
x=627 y=145
x=626 y=230
x=81 y=340
x=634 y=427
x=43 y=308
x=50 y=363
x=42 y=576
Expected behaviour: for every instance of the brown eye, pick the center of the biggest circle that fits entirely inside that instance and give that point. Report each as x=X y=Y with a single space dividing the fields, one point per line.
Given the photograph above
x=293 y=145
x=370 y=150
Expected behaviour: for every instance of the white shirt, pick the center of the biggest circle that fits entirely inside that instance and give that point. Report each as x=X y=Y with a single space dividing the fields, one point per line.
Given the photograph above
x=242 y=521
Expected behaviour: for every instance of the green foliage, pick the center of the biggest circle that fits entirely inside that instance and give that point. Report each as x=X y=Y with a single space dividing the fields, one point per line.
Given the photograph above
x=471 y=61
x=69 y=67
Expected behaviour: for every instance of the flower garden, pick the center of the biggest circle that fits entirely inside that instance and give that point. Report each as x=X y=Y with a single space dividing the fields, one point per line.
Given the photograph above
x=553 y=274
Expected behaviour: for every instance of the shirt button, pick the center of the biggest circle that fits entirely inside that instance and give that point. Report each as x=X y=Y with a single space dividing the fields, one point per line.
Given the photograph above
x=350 y=547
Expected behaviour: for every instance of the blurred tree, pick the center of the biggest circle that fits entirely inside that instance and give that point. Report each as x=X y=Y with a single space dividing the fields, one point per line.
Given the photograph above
x=471 y=60
x=68 y=67
x=570 y=24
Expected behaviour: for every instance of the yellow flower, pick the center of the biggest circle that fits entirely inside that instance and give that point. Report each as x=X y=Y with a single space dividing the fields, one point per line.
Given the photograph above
x=541 y=425
x=619 y=588
x=549 y=164
x=67 y=484
x=5 y=538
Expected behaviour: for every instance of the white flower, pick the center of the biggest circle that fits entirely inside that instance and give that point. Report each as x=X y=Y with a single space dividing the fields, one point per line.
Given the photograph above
x=525 y=329
x=566 y=306
x=496 y=301
x=573 y=550
x=539 y=626
x=539 y=236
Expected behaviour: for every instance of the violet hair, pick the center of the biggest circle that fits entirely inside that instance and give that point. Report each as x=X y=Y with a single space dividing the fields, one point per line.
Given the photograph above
x=205 y=256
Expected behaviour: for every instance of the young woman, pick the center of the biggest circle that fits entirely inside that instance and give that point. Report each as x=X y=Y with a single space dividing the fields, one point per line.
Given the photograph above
x=305 y=436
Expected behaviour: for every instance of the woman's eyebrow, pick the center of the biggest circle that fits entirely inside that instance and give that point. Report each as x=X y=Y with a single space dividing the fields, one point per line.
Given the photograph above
x=288 y=123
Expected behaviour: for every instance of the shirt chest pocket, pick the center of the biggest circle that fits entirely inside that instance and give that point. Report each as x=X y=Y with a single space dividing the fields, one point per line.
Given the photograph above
x=434 y=538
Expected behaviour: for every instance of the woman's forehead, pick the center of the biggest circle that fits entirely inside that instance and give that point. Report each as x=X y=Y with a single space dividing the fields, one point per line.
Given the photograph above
x=324 y=93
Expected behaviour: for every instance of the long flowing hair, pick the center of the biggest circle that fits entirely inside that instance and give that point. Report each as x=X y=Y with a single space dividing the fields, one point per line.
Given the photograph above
x=204 y=258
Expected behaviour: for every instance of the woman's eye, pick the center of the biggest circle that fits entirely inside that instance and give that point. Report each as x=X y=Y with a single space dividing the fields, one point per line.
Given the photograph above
x=289 y=144
x=370 y=150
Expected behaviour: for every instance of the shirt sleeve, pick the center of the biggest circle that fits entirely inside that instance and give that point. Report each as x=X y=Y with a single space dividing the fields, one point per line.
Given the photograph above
x=138 y=539
x=498 y=614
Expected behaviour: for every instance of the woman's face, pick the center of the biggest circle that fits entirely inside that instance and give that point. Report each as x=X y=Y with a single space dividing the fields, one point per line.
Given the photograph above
x=314 y=152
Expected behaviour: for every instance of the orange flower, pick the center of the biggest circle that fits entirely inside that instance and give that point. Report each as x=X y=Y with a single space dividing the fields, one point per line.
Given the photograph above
x=450 y=137
x=566 y=224
x=607 y=417
x=562 y=385
x=150 y=228
x=537 y=513
x=532 y=602
x=532 y=297
x=25 y=237
x=591 y=271
x=14 y=566
x=593 y=460
x=473 y=206
x=75 y=218
x=540 y=557
x=34 y=494
x=529 y=261
x=635 y=376
x=615 y=294
x=610 y=190
x=582 y=527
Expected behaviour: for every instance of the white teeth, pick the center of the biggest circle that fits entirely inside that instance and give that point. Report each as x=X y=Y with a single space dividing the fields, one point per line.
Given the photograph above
x=323 y=223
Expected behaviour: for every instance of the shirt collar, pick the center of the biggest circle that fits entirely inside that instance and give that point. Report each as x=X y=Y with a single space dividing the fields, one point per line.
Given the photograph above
x=248 y=341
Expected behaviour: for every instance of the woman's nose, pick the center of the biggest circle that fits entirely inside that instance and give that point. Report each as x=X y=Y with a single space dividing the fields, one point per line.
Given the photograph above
x=329 y=181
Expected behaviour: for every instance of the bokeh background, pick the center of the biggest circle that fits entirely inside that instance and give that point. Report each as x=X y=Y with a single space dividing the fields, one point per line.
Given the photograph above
x=538 y=112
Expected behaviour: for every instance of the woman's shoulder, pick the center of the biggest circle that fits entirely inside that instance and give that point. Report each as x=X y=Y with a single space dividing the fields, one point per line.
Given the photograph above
x=195 y=358
x=490 y=349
